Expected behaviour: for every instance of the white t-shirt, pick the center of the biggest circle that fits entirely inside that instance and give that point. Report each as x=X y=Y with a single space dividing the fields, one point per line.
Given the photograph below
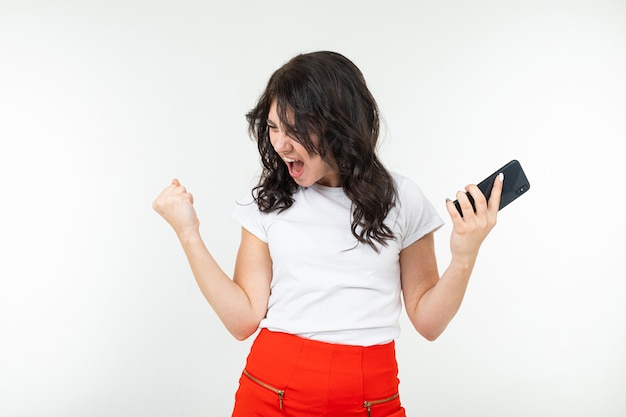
x=325 y=285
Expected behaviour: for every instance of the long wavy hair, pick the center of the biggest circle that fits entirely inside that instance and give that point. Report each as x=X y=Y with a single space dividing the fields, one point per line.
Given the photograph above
x=323 y=95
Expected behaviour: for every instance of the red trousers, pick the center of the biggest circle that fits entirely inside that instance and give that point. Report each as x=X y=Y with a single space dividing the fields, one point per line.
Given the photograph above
x=289 y=376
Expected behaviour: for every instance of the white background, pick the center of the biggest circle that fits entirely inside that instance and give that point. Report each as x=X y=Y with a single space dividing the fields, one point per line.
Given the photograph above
x=103 y=102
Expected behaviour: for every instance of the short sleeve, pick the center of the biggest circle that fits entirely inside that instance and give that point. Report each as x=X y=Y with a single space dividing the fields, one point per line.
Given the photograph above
x=248 y=215
x=416 y=217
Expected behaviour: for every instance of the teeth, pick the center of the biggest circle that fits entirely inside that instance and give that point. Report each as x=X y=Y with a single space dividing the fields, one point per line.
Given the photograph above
x=289 y=160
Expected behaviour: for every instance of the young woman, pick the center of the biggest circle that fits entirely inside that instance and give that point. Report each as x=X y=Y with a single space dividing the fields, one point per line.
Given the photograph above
x=331 y=244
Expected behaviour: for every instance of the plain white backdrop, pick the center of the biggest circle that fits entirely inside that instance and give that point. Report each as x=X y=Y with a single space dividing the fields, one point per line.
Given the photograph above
x=103 y=103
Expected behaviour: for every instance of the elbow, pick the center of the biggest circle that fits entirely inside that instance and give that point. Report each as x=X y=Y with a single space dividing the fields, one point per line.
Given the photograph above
x=241 y=333
x=241 y=336
x=240 y=326
x=430 y=336
x=428 y=331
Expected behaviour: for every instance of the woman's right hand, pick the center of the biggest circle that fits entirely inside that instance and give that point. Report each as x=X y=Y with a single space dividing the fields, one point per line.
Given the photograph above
x=175 y=205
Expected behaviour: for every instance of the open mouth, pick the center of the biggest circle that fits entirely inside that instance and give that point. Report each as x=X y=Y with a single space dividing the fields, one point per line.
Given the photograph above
x=295 y=167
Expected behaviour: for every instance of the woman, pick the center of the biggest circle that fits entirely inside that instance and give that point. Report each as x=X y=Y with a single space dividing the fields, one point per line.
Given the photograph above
x=331 y=243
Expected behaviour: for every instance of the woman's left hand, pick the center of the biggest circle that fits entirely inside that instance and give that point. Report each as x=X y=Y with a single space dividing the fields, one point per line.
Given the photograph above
x=471 y=229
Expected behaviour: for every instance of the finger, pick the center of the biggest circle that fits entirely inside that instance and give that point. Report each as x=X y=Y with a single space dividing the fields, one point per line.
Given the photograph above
x=480 y=203
x=496 y=193
x=178 y=187
x=452 y=211
x=464 y=203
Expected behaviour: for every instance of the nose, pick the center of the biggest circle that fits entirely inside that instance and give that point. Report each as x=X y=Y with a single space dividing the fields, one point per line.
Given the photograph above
x=281 y=142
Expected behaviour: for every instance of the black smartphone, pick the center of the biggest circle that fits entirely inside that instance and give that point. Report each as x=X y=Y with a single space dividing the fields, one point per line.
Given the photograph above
x=515 y=184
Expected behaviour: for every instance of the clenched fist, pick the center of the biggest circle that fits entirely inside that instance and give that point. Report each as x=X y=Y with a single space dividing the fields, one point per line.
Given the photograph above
x=175 y=205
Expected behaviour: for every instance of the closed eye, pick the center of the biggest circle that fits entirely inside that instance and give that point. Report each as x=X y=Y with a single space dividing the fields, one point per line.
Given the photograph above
x=272 y=126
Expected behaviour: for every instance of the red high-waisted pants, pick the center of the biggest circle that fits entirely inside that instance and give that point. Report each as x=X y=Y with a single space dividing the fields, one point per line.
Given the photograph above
x=289 y=376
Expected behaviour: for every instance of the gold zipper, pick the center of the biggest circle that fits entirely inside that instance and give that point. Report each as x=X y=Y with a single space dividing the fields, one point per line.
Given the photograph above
x=369 y=404
x=279 y=392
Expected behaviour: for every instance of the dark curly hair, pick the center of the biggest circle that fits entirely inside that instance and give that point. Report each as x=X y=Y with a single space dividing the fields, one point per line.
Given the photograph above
x=326 y=97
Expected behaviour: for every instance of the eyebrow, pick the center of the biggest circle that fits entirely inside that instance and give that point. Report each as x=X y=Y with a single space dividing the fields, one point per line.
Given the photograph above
x=270 y=122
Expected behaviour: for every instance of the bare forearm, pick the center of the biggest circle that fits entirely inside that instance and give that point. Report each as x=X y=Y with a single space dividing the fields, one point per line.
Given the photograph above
x=227 y=299
x=433 y=301
x=230 y=300
x=439 y=305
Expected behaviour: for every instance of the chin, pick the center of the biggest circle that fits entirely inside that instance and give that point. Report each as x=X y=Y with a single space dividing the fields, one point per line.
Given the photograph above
x=303 y=183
